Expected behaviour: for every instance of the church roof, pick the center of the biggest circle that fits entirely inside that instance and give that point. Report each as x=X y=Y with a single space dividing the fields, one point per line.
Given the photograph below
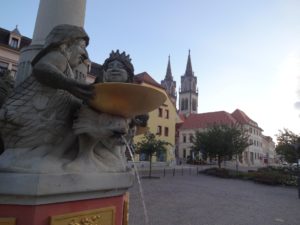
x=169 y=72
x=189 y=70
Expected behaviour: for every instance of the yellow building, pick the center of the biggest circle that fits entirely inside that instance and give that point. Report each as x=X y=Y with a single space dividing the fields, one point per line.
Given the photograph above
x=161 y=121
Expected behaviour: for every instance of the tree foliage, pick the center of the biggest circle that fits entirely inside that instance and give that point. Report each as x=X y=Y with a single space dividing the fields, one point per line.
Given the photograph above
x=288 y=145
x=150 y=146
x=221 y=142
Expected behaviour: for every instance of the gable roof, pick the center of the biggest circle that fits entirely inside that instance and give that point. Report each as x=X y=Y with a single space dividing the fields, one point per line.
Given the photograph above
x=205 y=120
x=146 y=78
x=242 y=118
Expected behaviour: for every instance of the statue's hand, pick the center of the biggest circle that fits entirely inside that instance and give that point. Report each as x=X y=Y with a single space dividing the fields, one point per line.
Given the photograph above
x=82 y=91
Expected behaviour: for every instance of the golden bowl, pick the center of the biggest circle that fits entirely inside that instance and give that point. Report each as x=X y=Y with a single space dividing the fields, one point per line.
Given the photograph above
x=126 y=99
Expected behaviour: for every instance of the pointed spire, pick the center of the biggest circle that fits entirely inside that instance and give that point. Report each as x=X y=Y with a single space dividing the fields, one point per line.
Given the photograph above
x=169 y=72
x=16 y=31
x=189 y=70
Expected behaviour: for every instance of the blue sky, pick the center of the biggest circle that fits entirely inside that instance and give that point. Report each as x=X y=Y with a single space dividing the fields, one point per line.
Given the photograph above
x=245 y=54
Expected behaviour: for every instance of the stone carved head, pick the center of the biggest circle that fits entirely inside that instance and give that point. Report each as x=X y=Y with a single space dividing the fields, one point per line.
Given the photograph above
x=118 y=68
x=63 y=35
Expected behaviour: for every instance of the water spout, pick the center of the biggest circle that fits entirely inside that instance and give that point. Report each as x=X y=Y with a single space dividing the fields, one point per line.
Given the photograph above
x=139 y=181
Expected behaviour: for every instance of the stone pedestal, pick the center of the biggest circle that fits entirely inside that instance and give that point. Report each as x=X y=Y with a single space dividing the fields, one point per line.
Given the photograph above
x=66 y=199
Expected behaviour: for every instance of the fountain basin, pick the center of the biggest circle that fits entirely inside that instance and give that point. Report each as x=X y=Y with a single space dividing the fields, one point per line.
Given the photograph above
x=126 y=99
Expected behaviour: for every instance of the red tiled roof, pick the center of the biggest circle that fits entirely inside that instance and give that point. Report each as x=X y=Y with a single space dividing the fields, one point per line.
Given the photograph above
x=146 y=78
x=242 y=118
x=182 y=116
x=204 y=120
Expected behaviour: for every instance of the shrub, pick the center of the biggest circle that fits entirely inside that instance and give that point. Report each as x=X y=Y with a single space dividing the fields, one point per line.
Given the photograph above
x=268 y=175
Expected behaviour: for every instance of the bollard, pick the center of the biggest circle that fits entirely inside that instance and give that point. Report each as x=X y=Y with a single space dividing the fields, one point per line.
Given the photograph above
x=299 y=186
x=164 y=172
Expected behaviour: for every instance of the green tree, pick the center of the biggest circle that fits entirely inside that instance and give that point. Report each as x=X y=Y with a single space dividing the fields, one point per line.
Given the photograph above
x=150 y=146
x=221 y=142
x=288 y=145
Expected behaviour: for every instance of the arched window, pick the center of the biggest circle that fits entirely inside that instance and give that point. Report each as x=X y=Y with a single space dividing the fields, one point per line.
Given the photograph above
x=194 y=105
x=182 y=104
x=186 y=104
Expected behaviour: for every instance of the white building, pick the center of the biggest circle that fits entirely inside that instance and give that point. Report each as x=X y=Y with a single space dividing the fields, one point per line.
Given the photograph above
x=254 y=155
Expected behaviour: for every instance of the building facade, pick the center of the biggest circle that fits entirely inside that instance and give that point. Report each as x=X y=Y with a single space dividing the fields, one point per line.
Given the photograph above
x=255 y=154
x=11 y=42
x=162 y=121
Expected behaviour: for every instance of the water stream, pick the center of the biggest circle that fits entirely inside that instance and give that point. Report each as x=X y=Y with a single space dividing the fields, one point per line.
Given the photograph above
x=139 y=182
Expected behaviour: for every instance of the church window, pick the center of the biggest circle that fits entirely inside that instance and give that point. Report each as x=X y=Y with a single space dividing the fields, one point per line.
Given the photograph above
x=194 y=105
x=186 y=104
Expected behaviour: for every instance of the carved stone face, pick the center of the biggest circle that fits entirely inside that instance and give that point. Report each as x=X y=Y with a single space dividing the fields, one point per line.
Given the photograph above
x=77 y=53
x=115 y=72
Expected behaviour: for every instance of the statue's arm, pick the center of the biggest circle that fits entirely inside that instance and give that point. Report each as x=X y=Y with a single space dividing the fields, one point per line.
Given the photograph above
x=49 y=71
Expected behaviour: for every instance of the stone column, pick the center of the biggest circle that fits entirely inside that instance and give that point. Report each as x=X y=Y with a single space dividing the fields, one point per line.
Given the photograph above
x=50 y=14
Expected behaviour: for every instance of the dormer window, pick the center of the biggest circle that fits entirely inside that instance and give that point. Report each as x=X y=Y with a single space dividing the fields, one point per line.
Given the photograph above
x=15 y=38
x=14 y=42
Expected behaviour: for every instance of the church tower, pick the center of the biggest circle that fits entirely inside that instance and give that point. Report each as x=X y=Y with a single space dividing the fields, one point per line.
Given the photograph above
x=169 y=84
x=188 y=93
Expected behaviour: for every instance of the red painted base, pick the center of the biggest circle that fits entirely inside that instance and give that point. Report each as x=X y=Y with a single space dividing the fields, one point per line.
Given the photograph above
x=40 y=214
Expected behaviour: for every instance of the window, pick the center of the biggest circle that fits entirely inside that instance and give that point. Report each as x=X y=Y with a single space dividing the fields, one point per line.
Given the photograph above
x=250 y=130
x=194 y=105
x=184 y=138
x=251 y=142
x=166 y=131
x=158 y=132
x=3 y=67
x=13 y=73
x=186 y=102
x=184 y=153
x=167 y=114
x=191 y=137
x=160 y=112
x=14 y=43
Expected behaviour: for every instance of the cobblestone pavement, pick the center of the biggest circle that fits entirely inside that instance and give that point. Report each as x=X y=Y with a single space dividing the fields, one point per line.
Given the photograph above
x=189 y=199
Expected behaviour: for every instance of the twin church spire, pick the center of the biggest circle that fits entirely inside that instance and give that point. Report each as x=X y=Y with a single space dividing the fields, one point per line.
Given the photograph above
x=188 y=93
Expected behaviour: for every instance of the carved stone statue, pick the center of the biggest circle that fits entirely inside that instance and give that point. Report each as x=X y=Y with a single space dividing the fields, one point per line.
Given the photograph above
x=101 y=136
x=6 y=86
x=36 y=119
